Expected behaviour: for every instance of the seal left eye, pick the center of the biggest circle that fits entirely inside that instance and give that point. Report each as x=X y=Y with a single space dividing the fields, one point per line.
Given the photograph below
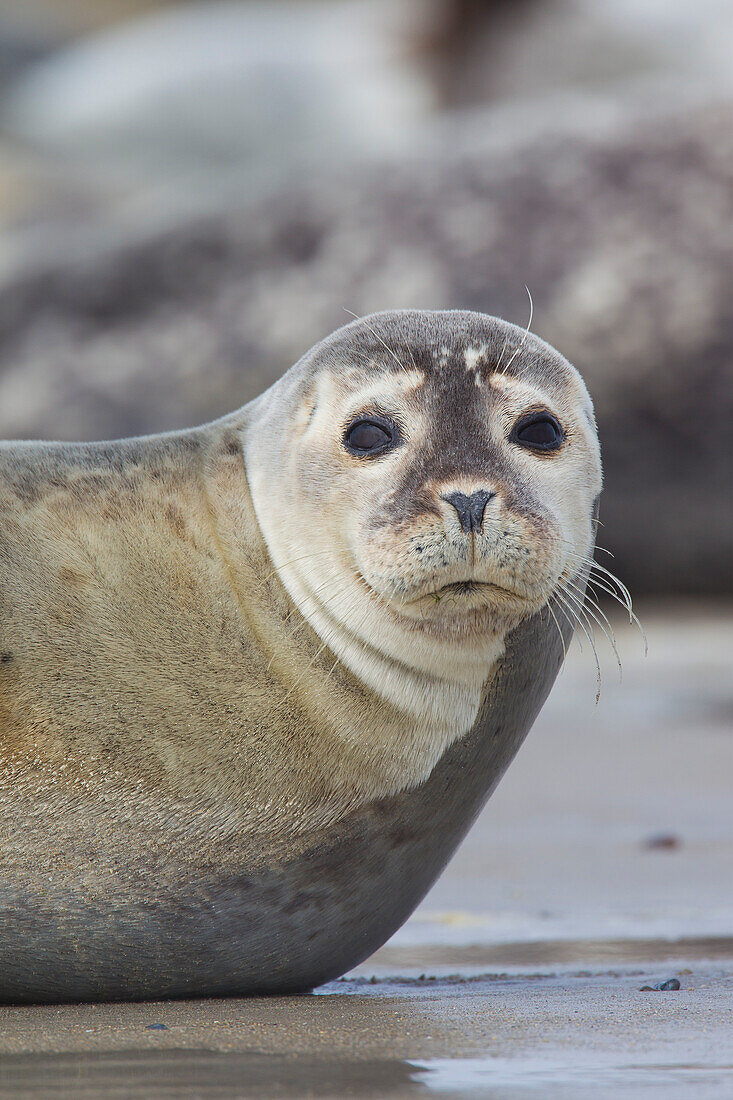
x=370 y=437
x=538 y=431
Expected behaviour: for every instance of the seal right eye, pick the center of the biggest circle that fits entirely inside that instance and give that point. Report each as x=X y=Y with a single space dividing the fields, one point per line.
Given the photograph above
x=370 y=437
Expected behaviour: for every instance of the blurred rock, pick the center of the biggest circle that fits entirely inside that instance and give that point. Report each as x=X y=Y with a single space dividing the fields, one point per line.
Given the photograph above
x=524 y=49
x=70 y=17
x=193 y=87
x=35 y=199
x=32 y=31
x=35 y=189
x=149 y=91
x=18 y=50
x=625 y=241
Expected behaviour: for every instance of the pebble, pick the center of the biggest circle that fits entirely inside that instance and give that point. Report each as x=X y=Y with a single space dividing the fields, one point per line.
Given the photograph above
x=663 y=987
x=662 y=842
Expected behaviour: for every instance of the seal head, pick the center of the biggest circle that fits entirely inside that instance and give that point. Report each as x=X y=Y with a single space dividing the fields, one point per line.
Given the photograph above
x=424 y=481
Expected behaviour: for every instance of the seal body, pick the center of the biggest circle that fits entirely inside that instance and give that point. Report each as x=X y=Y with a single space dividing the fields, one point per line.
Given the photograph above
x=258 y=678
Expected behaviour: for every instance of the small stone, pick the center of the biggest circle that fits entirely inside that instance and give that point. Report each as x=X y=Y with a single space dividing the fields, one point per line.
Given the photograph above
x=662 y=987
x=156 y=1027
x=662 y=842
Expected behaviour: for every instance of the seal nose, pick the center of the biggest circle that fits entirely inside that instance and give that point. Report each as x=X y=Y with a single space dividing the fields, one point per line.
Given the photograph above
x=470 y=509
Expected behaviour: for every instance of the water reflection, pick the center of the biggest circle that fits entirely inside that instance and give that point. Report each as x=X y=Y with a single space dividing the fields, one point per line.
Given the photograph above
x=211 y=1075
x=569 y=1077
x=547 y=953
x=203 y=1075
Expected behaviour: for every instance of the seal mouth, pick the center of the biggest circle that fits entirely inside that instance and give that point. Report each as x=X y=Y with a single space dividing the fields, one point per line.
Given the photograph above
x=469 y=588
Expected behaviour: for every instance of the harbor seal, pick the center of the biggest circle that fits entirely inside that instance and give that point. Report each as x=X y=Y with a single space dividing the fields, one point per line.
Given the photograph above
x=257 y=678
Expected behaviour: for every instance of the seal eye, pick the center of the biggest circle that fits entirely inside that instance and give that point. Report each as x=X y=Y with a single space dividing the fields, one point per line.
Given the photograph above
x=540 y=431
x=370 y=437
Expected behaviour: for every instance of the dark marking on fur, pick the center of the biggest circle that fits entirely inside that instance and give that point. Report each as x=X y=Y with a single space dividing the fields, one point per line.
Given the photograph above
x=176 y=519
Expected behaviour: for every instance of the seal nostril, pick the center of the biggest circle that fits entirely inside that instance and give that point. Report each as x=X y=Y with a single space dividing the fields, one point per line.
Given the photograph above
x=471 y=508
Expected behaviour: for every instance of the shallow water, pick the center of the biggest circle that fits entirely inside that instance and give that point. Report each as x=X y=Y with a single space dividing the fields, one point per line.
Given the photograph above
x=472 y=957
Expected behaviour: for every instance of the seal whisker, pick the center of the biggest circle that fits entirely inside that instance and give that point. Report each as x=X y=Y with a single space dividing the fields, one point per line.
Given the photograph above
x=584 y=597
x=583 y=607
x=376 y=337
x=315 y=592
x=325 y=642
x=409 y=351
x=561 y=598
x=588 y=632
x=313 y=598
x=333 y=666
x=298 y=627
x=597 y=610
x=595 y=582
x=304 y=619
x=326 y=586
x=562 y=636
x=600 y=577
x=526 y=332
x=597 y=567
x=585 y=559
x=501 y=356
x=570 y=618
x=293 y=561
x=603 y=584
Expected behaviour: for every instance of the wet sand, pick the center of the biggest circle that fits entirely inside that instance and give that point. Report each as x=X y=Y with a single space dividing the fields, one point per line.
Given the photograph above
x=603 y=863
x=532 y=1033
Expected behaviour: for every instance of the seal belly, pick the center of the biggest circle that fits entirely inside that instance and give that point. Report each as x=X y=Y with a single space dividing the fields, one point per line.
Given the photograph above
x=152 y=922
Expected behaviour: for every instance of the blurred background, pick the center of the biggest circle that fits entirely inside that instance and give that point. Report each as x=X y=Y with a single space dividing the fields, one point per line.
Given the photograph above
x=192 y=194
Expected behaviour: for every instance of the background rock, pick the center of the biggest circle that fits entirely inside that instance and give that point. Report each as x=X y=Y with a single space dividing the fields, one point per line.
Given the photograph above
x=625 y=241
x=194 y=87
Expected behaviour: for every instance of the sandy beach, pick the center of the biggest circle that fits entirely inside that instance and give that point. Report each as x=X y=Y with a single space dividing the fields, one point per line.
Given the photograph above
x=603 y=864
